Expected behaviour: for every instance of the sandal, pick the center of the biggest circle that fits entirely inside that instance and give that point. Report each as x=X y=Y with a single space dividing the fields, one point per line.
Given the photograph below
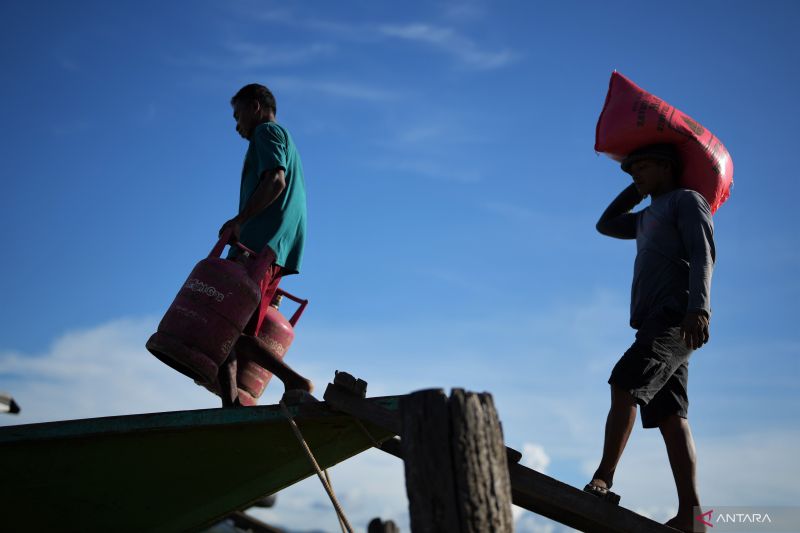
x=602 y=493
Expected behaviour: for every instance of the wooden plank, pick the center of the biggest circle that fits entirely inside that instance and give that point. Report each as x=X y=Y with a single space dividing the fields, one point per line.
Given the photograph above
x=564 y=503
x=392 y=447
x=368 y=410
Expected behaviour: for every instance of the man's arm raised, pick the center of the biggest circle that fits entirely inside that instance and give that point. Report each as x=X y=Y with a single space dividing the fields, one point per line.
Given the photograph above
x=617 y=220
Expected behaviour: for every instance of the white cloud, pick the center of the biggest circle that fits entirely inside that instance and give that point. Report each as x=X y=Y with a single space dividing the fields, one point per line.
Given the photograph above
x=238 y=55
x=428 y=168
x=517 y=213
x=266 y=11
x=464 y=10
x=248 y=54
x=341 y=88
x=100 y=371
x=450 y=41
x=534 y=457
x=446 y=39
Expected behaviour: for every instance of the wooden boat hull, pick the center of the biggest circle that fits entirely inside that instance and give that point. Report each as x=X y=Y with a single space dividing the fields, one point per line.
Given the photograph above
x=175 y=471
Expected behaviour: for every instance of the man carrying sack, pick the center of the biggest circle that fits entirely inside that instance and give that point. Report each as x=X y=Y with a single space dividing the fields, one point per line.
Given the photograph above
x=670 y=309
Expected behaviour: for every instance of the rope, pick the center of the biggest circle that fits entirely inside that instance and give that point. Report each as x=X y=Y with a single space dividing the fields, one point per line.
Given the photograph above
x=330 y=484
x=339 y=511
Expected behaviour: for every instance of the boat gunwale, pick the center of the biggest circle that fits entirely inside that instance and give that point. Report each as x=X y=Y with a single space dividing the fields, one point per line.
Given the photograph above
x=173 y=420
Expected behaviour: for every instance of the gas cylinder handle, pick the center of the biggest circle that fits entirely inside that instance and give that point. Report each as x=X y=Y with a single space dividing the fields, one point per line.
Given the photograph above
x=224 y=239
x=303 y=304
x=245 y=248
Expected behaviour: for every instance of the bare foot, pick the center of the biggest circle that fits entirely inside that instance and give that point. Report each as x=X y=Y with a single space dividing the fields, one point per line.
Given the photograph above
x=259 y=352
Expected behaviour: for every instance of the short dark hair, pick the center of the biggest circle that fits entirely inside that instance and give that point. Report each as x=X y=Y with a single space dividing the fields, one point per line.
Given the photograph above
x=257 y=92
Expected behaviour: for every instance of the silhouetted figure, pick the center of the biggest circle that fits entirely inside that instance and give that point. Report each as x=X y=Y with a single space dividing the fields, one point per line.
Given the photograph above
x=271 y=219
x=670 y=309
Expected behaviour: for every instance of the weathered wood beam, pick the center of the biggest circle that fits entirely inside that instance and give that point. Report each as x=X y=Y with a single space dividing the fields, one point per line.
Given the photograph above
x=455 y=463
x=343 y=400
x=425 y=445
x=564 y=503
x=480 y=463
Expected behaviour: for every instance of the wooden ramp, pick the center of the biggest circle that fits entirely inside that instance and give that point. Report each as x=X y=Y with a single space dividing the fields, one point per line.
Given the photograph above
x=176 y=471
x=530 y=490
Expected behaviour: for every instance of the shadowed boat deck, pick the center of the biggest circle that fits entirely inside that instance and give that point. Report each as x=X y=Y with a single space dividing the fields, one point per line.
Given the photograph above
x=173 y=471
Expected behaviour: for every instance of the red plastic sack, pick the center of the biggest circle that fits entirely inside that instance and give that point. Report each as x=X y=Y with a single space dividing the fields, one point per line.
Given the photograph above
x=633 y=118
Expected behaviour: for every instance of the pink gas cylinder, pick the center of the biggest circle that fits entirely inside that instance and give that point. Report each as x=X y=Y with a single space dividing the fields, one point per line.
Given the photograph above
x=277 y=333
x=209 y=313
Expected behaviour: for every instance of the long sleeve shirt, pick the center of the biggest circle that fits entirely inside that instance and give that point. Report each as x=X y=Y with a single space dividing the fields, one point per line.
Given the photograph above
x=675 y=252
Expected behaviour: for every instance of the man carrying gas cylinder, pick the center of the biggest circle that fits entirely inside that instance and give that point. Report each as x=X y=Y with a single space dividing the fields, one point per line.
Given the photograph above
x=271 y=220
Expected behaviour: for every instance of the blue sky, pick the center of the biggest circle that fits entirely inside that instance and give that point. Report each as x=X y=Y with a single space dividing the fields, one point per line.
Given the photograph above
x=453 y=191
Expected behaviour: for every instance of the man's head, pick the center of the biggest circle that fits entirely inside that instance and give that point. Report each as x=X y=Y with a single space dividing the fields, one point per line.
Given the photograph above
x=254 y=104
x=654 y=168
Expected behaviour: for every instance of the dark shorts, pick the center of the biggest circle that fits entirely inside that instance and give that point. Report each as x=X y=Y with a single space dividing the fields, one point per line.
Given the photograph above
x=655 y=370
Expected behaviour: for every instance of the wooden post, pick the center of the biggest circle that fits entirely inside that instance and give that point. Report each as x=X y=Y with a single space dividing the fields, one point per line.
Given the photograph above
x=455 y=463
x=481 y=465
x=425 y=445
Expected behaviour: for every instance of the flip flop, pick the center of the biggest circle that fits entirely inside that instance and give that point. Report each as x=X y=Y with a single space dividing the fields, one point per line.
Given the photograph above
x=602 y=493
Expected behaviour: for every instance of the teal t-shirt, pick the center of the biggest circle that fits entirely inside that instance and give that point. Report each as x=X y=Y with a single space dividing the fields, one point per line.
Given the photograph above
x=282 y=224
